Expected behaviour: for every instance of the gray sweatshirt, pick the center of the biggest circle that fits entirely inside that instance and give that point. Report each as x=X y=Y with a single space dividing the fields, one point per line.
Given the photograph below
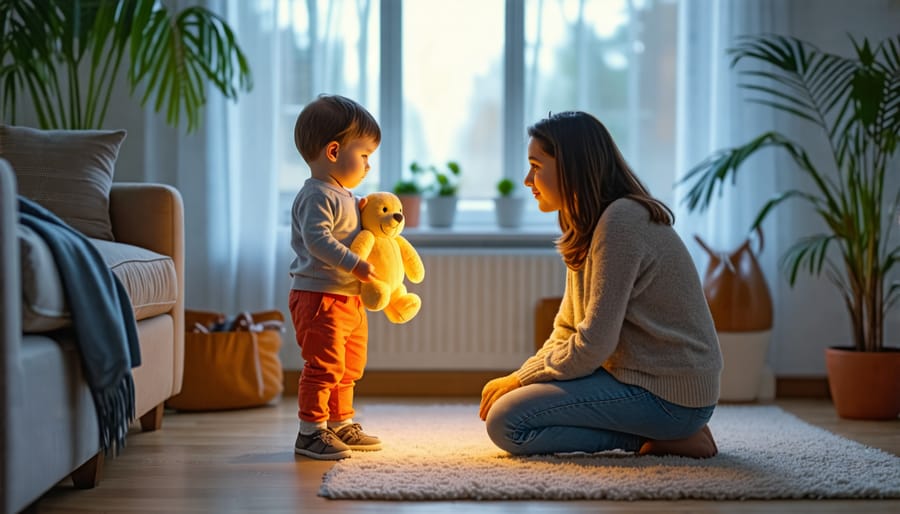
x=637 y=309
x=324 y=221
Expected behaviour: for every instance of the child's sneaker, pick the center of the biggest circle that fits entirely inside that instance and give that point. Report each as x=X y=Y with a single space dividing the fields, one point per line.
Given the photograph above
x=353 y=436
x=323 y=444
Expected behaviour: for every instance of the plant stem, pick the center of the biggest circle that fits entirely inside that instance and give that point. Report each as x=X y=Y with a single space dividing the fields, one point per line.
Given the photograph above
x=39 y=92
x=109 y=82
x=75 y=121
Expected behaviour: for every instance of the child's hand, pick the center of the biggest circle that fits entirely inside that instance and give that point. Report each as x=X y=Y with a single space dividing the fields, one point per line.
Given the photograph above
x=364 y=271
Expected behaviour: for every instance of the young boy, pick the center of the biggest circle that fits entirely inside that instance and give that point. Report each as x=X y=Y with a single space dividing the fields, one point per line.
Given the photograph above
x=335 y=136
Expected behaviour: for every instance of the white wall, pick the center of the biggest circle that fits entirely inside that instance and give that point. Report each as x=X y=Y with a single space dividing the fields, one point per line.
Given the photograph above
x=812 y=315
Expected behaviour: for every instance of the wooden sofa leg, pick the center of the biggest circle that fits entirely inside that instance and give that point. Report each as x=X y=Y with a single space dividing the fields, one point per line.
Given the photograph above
x=152 y=420
x=87 y=476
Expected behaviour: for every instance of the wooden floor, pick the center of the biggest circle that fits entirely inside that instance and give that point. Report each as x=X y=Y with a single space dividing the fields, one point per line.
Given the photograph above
x=243 y=461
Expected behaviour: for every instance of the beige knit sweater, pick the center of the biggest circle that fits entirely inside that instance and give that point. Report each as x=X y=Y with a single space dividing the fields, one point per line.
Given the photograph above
x=637 y=309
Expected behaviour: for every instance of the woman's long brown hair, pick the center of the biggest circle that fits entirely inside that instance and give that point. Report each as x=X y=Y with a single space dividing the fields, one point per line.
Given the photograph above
x=592 y=175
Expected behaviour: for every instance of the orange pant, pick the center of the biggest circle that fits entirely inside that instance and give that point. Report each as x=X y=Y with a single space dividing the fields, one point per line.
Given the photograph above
x=332 y=331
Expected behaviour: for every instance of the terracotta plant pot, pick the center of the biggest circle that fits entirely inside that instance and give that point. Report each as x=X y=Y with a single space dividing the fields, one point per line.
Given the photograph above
x=864 y=385
x=412 y=206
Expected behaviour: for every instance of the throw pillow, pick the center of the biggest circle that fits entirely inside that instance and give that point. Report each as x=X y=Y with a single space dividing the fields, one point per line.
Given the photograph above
x=70 y=172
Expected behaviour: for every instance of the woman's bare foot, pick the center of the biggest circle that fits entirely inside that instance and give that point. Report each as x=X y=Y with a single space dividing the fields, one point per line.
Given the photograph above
x=701 y=445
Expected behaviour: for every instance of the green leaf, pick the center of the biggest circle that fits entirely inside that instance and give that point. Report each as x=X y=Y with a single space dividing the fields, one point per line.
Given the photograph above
x=172 y=55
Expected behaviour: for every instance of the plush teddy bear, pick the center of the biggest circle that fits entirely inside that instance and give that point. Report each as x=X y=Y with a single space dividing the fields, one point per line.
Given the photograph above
x=380 y=243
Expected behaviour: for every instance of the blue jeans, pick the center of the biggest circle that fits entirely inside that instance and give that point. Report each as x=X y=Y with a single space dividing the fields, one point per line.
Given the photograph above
x=588 y=414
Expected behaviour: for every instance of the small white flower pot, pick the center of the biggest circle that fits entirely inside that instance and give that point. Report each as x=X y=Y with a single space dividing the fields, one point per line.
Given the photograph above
x=508 y=210
x=441 y=210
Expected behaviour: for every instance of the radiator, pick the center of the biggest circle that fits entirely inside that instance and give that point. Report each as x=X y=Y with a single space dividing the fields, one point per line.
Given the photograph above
x=477 y=311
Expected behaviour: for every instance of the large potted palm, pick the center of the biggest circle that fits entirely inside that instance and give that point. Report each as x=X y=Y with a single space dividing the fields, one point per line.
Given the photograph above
x=66 y=56
x=855 y=103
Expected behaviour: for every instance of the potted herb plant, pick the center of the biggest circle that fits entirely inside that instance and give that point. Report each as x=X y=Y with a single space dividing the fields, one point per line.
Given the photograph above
x=441 y=204
x=855 y=103
x=410 y=193
x=66 y=56
x=508 y=206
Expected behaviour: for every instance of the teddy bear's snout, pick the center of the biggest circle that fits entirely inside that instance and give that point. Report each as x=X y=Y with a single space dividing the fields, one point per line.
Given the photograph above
x=398 y=217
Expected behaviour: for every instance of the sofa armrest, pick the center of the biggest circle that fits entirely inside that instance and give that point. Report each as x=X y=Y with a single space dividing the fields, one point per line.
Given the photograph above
x=151 y=216
x=10 y=323
x=10 y=283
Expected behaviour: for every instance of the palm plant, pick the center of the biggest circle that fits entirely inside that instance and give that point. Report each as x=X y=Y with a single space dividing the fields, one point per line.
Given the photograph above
x=855 y=102
x=66 y=56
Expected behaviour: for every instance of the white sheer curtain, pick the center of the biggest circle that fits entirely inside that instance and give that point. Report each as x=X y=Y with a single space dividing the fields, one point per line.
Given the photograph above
x=229 y=171
x=227 y=176
x=713 y=113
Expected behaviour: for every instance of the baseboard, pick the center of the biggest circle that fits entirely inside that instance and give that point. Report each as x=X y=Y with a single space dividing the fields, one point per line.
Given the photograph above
x=469 y=383
x=801 y=387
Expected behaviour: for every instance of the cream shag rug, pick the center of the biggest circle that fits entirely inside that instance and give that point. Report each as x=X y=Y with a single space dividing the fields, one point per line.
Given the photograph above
x=443 y=453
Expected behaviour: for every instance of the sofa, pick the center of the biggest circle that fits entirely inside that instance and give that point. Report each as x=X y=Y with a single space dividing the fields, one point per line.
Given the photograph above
x=48 y=422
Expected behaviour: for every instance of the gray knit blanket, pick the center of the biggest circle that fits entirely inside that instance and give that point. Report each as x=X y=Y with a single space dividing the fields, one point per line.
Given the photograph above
x=102 y=320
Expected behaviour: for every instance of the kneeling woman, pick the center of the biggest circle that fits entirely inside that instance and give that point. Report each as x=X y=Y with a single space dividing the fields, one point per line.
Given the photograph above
x=633 y=362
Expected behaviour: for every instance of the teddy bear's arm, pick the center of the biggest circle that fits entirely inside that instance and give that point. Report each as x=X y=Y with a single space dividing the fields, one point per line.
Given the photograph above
x=362 y=244
x=412 y=263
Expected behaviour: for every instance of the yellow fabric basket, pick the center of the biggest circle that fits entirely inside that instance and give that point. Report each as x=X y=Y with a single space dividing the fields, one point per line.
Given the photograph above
x=229 y=370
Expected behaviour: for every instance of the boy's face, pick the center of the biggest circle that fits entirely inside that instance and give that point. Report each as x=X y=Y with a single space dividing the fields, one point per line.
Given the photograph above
x=350 y=161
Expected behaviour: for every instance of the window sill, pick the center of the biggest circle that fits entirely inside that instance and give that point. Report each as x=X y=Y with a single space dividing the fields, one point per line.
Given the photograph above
x=481 y=237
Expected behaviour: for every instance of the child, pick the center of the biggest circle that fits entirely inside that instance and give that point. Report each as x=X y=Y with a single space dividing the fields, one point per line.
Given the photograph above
x=633 y=361
x=335 y=136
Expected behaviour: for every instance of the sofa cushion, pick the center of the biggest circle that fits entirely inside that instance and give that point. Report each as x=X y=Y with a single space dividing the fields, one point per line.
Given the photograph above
x=148 y=277
x=43 y=304
x=69 y=172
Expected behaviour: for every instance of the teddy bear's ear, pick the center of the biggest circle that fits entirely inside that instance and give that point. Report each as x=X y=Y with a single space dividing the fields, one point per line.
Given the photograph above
x=362 y=202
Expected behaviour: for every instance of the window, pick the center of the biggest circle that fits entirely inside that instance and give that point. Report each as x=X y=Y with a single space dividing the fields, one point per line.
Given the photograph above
x=325 y=46
x=466 y=88
x=616 y=60
x=453 y=89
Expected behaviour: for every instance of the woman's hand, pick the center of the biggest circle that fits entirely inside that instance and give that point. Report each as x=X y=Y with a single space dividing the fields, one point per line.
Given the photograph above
x=494 y=389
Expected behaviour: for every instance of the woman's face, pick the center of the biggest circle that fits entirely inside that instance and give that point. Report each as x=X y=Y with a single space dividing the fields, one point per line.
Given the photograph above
x=543 y=178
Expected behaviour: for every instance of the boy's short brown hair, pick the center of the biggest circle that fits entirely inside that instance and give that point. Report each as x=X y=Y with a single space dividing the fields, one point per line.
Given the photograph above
x=332 y=118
